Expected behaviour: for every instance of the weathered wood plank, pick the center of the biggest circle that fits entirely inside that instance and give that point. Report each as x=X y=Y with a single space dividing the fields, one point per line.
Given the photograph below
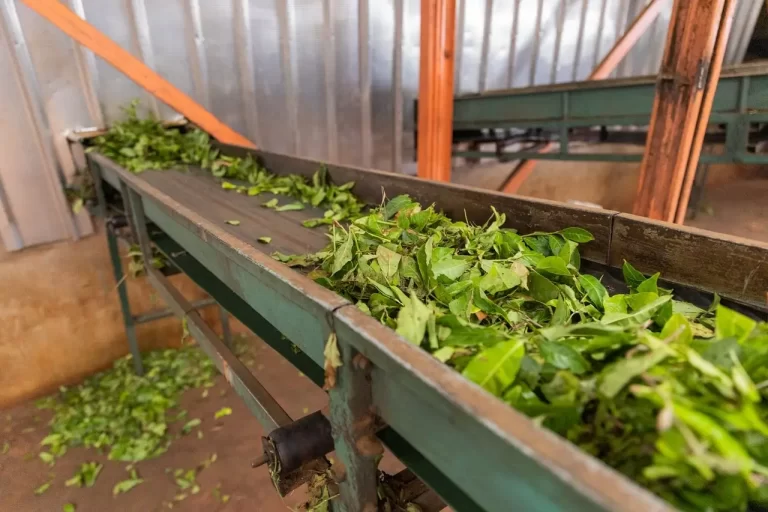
x=734 y=267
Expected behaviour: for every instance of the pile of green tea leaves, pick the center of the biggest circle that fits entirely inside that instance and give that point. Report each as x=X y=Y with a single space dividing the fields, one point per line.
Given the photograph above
x=672 y=395
x=122 y=413
x=139 y=145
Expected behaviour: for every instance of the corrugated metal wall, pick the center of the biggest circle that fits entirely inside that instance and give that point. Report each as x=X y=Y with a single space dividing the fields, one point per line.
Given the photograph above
x=328 y=79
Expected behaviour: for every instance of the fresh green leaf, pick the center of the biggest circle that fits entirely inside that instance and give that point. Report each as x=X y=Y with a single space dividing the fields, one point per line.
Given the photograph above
x=649 y=285
x=452 y=268
x=563 y=356
x=638 y=316
x=188 y=426
x=412 y=320
x=272 y=203
x=625 y=370
x=730 y=324
x=594 y=288
x=126 y=485
x=553 y=265
x=632 y=277
x=495 y=368
x=68 y=507
x=224 y=411
x=578 y=235
x=43 y=488
x=290 y=207
x=388 y=260
x=343 y=255
x=541 y=288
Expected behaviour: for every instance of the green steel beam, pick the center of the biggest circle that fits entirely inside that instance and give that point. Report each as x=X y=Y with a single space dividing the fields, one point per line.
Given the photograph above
x=602 y=102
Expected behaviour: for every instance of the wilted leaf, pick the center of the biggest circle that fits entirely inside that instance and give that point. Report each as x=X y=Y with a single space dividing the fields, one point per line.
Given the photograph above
x=332 y=357
x=233 y=222
x=265 y=239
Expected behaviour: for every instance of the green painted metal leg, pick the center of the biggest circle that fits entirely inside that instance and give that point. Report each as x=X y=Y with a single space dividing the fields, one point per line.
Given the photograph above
x=226 y=332
x=122 y=293
x=357 y=447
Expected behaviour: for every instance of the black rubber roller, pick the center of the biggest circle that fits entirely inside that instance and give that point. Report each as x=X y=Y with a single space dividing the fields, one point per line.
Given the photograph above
x=302 y=441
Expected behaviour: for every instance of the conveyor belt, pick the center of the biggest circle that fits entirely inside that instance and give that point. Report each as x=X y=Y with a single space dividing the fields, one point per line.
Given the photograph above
x=200 y=192
x=429 y=408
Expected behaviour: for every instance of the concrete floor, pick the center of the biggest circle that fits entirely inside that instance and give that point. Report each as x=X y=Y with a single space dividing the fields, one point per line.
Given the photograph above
x=235 y=439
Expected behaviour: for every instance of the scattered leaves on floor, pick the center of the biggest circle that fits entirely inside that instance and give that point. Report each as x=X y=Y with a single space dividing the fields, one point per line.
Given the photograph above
x=128 y=484
x=265 y=239
x=233 y=222
x=86 y=475
x=122 y=412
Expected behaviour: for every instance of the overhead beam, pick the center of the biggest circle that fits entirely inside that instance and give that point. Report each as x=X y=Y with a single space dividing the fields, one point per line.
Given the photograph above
x=435 y=131
x=611 y=60
x=91 y=38
x=688 y=62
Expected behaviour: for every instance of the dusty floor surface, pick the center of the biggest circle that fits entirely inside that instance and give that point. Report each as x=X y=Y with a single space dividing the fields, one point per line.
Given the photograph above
x=235 y=439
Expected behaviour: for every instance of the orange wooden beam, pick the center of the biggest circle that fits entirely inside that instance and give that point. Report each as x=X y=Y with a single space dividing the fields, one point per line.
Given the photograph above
x=703 y=122
x=601 y=72
x=678 y=106
x=435 y=130
x=85 y=34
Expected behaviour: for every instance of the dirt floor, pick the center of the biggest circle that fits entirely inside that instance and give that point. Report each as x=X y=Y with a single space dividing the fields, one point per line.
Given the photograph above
x=235 y=439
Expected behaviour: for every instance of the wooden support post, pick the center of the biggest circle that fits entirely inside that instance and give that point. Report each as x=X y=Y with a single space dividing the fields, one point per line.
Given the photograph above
x=601 y=72
x=706 y=109
x=435 y=129
x=85 y=34
x=678 y=107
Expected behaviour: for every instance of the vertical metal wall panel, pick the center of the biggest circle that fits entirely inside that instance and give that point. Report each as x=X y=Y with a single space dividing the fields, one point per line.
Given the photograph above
x=115 y=90
x=274 y=120
x=195 y=41
x=23 y=169
x=59 y=84
x=220 y=58
x=167 y=28
x=241 y=28
x=317 y=78
x=501 y=26
x=411 y=51
x=348 y=82
x=382 y=33
x=308 y=69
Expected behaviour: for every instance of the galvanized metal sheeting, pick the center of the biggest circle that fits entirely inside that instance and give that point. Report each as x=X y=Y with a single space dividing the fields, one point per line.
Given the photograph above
x=327 y=79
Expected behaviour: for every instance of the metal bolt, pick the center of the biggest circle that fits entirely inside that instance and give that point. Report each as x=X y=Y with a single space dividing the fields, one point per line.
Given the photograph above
x=260 y=460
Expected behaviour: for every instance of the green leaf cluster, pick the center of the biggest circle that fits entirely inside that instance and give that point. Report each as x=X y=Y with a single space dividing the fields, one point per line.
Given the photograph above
x=122 y=413
x=145 y=144
x=665 y=392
